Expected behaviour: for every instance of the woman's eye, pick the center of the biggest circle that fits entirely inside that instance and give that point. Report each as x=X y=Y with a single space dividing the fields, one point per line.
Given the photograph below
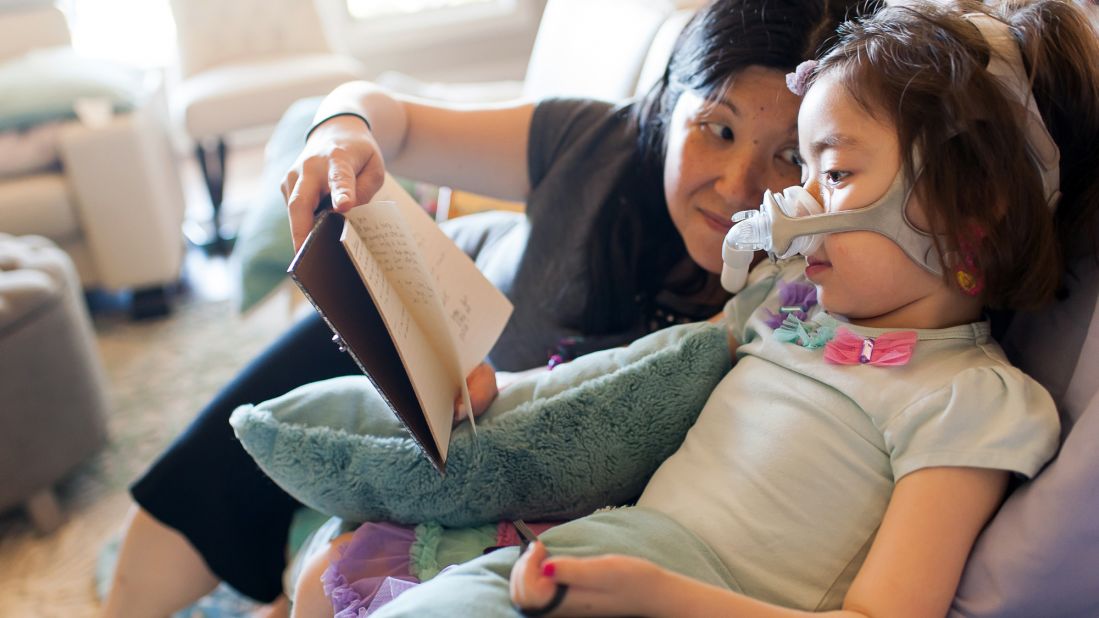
x=834 y=177
x=791 y=156
x=719 y=130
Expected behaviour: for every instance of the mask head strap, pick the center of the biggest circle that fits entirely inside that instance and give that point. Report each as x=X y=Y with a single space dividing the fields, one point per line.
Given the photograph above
x=1005 y=63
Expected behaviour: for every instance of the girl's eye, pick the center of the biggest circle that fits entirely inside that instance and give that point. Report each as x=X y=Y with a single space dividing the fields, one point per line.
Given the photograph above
x=834 y=177
x=719 y=130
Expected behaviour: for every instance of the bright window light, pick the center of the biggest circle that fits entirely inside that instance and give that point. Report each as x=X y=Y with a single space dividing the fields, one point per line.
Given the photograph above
x=373 y=9
x=139 y=33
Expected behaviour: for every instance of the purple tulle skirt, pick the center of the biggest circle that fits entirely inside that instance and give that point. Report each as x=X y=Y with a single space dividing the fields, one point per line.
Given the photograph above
x=372 y=570
x=376 y=565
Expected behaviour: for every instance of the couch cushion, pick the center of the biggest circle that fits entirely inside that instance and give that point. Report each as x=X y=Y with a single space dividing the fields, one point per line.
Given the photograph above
x=31 y=277
x=45 y=85
x=257 y=93
x=1040 y=554
x=264 y=248
x=31 y=24
x=29 y=151
x=37 y=204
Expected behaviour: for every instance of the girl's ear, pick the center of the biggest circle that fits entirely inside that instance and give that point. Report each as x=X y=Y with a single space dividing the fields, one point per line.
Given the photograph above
x=964 y=261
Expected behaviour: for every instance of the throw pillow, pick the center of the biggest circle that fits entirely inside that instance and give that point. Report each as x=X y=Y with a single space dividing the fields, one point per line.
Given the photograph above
x=45 y=84
x=263 y=248
x=1039 y=554
x=556 y=445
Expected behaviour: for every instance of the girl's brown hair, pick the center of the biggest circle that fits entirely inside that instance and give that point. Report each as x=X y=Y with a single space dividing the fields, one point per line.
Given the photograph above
x=921 y=67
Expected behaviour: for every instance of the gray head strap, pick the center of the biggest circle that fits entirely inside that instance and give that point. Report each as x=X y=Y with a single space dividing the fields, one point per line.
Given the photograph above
x=1005 y=63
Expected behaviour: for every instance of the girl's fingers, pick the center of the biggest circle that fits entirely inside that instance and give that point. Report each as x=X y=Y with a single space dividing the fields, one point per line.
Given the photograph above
x=598 y=572
x=604 y=585
x=482 y=392
x=529 y=587
x=482 y=387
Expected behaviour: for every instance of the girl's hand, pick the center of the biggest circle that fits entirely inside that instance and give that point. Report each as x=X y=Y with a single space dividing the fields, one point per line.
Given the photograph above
x=608 y=585
x=482 y=392
x=340 y=158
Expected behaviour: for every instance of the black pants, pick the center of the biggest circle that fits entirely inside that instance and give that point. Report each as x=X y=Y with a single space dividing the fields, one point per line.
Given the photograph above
x=209 y=489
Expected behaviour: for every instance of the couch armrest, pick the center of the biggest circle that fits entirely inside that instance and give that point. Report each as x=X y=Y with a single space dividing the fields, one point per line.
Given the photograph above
x=128 y=194
x=25 y=28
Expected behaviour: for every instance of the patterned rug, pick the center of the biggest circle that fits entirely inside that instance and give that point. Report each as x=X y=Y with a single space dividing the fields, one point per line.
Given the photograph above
x=161 y=372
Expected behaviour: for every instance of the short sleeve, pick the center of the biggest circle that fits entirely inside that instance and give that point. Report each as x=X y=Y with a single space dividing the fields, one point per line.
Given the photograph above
x=986 y=417
x=571 y=139
x=552 y=128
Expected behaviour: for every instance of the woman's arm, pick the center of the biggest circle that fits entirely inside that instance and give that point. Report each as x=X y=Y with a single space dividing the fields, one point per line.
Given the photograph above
x=481 y=149
x=913 y=567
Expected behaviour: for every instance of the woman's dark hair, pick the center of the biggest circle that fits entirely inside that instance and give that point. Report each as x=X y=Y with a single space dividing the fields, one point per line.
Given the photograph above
x=921 y=68
x=634 y=245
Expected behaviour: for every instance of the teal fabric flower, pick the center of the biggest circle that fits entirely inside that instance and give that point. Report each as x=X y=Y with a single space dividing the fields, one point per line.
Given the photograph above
x=811 y=335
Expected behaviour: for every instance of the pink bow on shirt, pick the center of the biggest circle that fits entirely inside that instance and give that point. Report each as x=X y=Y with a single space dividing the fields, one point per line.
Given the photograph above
x=886 y=350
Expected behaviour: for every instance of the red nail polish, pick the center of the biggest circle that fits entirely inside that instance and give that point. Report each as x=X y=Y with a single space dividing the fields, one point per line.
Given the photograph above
x=548 y=569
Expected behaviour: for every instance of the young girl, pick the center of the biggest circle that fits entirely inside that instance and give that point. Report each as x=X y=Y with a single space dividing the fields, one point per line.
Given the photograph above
x=870 y=426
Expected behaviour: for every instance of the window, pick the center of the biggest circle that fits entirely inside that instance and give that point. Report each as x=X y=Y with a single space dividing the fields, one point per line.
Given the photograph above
x=383 y=30
x=374 y=9
x=139 y=33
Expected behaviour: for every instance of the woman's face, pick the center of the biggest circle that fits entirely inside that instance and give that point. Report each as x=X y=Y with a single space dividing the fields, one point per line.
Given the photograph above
x=722 y=154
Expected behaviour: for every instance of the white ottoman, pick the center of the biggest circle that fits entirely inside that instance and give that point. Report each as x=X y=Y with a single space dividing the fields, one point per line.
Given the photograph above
x=52 y=385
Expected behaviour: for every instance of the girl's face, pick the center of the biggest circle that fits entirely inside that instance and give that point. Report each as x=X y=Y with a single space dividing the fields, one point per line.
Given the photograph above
x=722 y=154
x=850 y=161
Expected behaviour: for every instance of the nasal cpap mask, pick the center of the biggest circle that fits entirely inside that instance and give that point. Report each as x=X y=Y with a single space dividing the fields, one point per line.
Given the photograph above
x=794 y=222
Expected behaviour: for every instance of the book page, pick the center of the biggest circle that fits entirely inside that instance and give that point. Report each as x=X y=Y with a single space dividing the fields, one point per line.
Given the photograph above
x=476 y=311
x=381 y=249
x=327 y=276
x=443 y=314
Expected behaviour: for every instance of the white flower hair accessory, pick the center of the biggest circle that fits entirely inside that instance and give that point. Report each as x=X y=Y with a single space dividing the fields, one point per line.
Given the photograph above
x=798 y=81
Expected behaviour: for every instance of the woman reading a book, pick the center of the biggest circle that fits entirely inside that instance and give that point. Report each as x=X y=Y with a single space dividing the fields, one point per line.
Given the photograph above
x=627 y=207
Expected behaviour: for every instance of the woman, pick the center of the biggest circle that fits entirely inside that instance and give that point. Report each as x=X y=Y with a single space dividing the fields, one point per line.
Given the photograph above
x=626 y=210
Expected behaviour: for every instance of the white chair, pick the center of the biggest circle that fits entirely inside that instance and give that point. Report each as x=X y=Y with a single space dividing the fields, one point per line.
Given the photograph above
x=242 y=63
x=592 y=48
x=108 y=192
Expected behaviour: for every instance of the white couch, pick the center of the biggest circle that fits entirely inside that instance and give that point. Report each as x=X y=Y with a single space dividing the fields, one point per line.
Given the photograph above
x=115 y=203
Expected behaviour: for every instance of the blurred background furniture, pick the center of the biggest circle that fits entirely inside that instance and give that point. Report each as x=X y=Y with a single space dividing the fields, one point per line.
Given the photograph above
x=605 y=49
x=242 y=63
x=105 y=188
x=621 y=61
x=609 y=49
x=51 y=380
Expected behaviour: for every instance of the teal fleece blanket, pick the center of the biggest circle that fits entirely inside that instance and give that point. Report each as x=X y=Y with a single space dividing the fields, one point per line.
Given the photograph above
x=480 y=587
x=560 y=444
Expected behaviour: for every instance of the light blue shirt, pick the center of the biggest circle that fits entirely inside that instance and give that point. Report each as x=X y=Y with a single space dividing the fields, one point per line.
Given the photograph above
x=790 y=467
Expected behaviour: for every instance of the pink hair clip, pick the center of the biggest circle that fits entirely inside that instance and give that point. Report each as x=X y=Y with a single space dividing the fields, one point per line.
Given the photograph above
x=798 y=81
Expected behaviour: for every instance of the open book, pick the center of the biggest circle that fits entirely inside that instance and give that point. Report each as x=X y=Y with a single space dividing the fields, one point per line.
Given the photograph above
x=408 y=305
